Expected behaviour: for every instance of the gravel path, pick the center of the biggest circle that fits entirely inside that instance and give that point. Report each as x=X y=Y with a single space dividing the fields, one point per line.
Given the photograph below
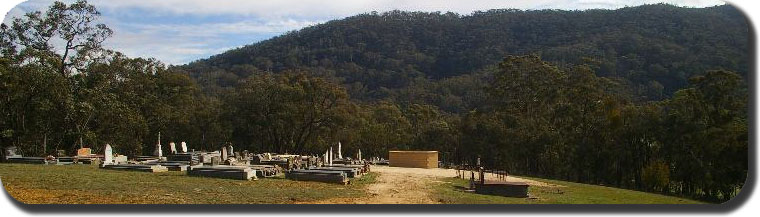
x=397 y=185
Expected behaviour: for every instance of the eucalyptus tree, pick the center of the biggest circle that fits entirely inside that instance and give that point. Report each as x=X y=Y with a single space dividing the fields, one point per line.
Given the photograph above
x=64 y=39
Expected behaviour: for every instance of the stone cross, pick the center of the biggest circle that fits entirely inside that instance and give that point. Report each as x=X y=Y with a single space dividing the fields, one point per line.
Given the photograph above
x=184 y=147
x=108 y=155
x=173 y=147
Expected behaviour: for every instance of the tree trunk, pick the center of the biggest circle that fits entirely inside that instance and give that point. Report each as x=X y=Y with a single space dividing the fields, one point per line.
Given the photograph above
x=44 y=144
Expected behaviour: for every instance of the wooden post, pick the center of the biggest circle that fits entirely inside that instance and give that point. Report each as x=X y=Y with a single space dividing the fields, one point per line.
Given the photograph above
x=482 y=176
x=472 y=179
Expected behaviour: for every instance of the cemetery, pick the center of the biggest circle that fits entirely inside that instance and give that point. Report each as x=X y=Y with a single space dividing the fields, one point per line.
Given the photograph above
x=228 y=164
x=225 y=163
x=194 y=177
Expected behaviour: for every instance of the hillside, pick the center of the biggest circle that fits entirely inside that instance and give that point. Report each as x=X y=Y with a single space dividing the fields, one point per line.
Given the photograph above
x=653 y=49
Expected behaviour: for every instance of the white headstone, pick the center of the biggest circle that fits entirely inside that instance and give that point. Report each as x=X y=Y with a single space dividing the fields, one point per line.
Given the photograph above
x=340 y=155
x=331 y=156
x=360 y=154
x=230 y=150
x=158 y=152
x=108 y=155
x=173 y=147
x=224 y=153
x=184 y=147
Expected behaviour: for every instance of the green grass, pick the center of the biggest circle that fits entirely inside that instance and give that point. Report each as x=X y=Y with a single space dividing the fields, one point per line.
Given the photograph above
x=451 y=191
x=86 y=184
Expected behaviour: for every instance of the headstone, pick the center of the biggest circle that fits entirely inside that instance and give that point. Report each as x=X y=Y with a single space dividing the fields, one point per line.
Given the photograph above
x=184 y=147
x=216 y=160
x=330 y=158
x=84 y=152
x=120 y=159
x=173 y=147
x=61 y=153
x=360 y=154
x=158 y=151
x=108 y=155
x=245 y=154
x=224 y=153
x=340 y=155
x=10 y=152
x=230 y=150
x=205 y=159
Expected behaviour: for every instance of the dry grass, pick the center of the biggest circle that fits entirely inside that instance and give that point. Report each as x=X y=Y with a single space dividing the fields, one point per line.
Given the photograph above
x=85 y=184
x=451 y=191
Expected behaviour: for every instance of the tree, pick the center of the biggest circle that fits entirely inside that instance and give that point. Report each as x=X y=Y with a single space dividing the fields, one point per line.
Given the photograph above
x=37 y=34
x=65 y=39
x=291 y=112
x=708 y=143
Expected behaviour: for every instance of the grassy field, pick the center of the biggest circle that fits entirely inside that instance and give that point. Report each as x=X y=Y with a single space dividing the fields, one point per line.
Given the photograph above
x=86 y=184
x=451 y=191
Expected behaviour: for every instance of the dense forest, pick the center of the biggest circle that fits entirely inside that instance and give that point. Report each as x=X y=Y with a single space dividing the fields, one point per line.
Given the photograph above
x=651 y=98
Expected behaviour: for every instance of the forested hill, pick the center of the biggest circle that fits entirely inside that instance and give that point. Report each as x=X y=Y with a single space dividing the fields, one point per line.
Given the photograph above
x=655 y=49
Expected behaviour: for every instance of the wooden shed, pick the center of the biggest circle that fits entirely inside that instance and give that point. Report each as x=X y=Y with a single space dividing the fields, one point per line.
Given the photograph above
x=415 y=159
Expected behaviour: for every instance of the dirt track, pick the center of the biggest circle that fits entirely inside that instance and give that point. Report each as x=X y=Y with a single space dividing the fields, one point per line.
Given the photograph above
x=396 y=185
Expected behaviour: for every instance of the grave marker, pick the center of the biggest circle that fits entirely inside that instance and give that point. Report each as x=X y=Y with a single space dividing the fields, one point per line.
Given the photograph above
x=108 y=155
x=173 y=147
x=84 y=152
x=224 y=154
x=158 y=152
x=340 y=155
x=184 y=147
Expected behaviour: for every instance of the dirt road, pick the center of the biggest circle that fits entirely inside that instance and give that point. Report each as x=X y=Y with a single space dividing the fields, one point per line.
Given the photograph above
x=397 y=185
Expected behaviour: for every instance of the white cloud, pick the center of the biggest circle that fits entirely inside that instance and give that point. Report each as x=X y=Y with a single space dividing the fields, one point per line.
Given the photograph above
x=182 y=43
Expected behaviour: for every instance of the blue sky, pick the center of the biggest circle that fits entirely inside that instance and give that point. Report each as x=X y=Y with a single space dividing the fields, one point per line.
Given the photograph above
x=180 y=31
